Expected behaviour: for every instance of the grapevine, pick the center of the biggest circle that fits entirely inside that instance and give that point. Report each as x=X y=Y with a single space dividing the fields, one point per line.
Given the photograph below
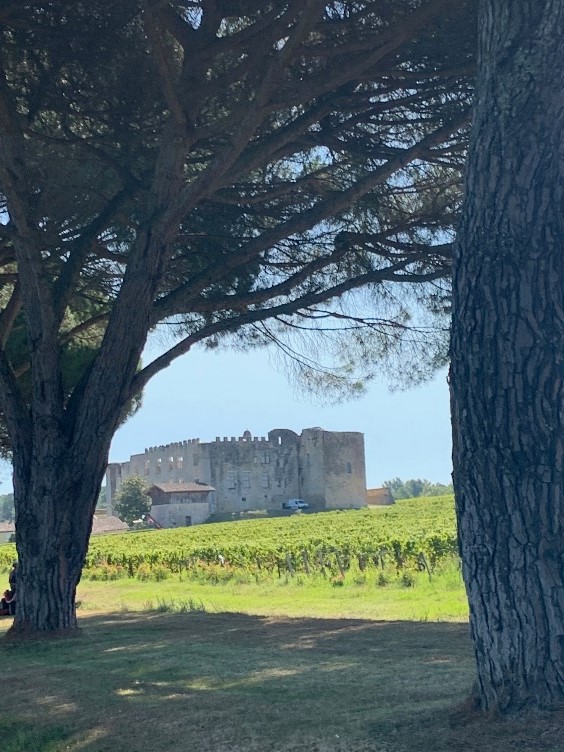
x=405 y=534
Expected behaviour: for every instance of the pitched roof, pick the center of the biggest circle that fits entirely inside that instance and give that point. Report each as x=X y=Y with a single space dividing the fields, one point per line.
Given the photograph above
x=101 y=524
x=107 y=524
x=379 y=496
x=185 y=487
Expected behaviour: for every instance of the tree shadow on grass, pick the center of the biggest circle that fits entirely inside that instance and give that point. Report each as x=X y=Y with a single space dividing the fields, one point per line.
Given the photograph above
x=243 y=683
x=17 y=736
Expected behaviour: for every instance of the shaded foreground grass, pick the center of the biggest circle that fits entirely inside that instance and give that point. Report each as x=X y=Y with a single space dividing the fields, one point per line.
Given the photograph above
x=239 y=683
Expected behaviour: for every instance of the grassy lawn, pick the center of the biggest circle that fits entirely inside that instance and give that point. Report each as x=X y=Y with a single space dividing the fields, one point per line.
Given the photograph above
x=440 y=598
x=240 y=683
x=229 y=659
x=165 y=666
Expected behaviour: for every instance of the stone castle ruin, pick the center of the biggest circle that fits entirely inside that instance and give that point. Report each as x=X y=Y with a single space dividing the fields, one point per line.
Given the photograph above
x=190 y=480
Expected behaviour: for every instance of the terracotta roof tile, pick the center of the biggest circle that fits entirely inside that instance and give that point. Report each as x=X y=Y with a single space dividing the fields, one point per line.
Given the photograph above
x=107 y=524
x=379 y=496
x=179 y=487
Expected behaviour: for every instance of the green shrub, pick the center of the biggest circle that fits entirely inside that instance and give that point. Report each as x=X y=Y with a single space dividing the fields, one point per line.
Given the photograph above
x=143 y=572
x=182 y=606
x=407 y=580
x=105 y=572
x=157 y=572
x=338 y=581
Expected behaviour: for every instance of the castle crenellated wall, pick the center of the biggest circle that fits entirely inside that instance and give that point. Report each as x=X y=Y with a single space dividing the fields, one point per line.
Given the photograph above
x=326 y=468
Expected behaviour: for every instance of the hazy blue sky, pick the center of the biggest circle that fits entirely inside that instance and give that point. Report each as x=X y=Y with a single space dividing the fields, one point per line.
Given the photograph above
x=210 y=393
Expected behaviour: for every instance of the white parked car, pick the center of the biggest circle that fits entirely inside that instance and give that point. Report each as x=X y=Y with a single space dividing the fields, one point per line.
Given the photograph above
x=295 y=504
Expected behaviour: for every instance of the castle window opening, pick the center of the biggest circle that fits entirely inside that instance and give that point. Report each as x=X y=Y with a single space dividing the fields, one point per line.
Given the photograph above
x=349 y=467
x=147 y=466
x=171 y=463
x=179 y=463
x=159 y=466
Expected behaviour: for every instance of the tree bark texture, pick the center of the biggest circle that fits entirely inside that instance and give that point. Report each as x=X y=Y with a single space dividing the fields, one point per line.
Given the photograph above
x=508 y=358
x=54 y=526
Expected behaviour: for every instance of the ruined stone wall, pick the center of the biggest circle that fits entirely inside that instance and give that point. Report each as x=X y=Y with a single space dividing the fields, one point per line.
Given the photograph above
x=323 y=467
x=254 y=473
x=181 y=461
x=170 y=463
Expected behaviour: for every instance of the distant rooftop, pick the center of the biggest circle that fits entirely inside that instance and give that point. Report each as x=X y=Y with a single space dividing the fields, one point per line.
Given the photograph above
x=183 y=487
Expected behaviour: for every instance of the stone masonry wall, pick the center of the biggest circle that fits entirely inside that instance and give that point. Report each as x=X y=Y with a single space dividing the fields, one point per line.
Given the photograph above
x=323 y=467
x=345 y=470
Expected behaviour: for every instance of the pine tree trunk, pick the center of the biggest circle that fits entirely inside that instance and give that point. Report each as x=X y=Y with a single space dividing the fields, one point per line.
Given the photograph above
x=60 y=491
x=507 y=370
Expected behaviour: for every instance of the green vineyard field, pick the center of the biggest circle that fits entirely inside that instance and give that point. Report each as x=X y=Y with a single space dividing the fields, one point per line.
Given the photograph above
x=413 y=532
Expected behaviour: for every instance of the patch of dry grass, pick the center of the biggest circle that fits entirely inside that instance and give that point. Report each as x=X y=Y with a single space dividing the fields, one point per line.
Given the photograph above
x=240 y=683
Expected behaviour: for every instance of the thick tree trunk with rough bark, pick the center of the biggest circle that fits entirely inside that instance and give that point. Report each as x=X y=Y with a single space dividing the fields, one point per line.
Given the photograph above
x=60 y=498
x=507 y=374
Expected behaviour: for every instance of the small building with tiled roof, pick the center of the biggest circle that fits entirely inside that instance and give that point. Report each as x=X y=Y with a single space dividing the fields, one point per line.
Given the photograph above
x=378 y=497
x=181 y=504
x=107 y=523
